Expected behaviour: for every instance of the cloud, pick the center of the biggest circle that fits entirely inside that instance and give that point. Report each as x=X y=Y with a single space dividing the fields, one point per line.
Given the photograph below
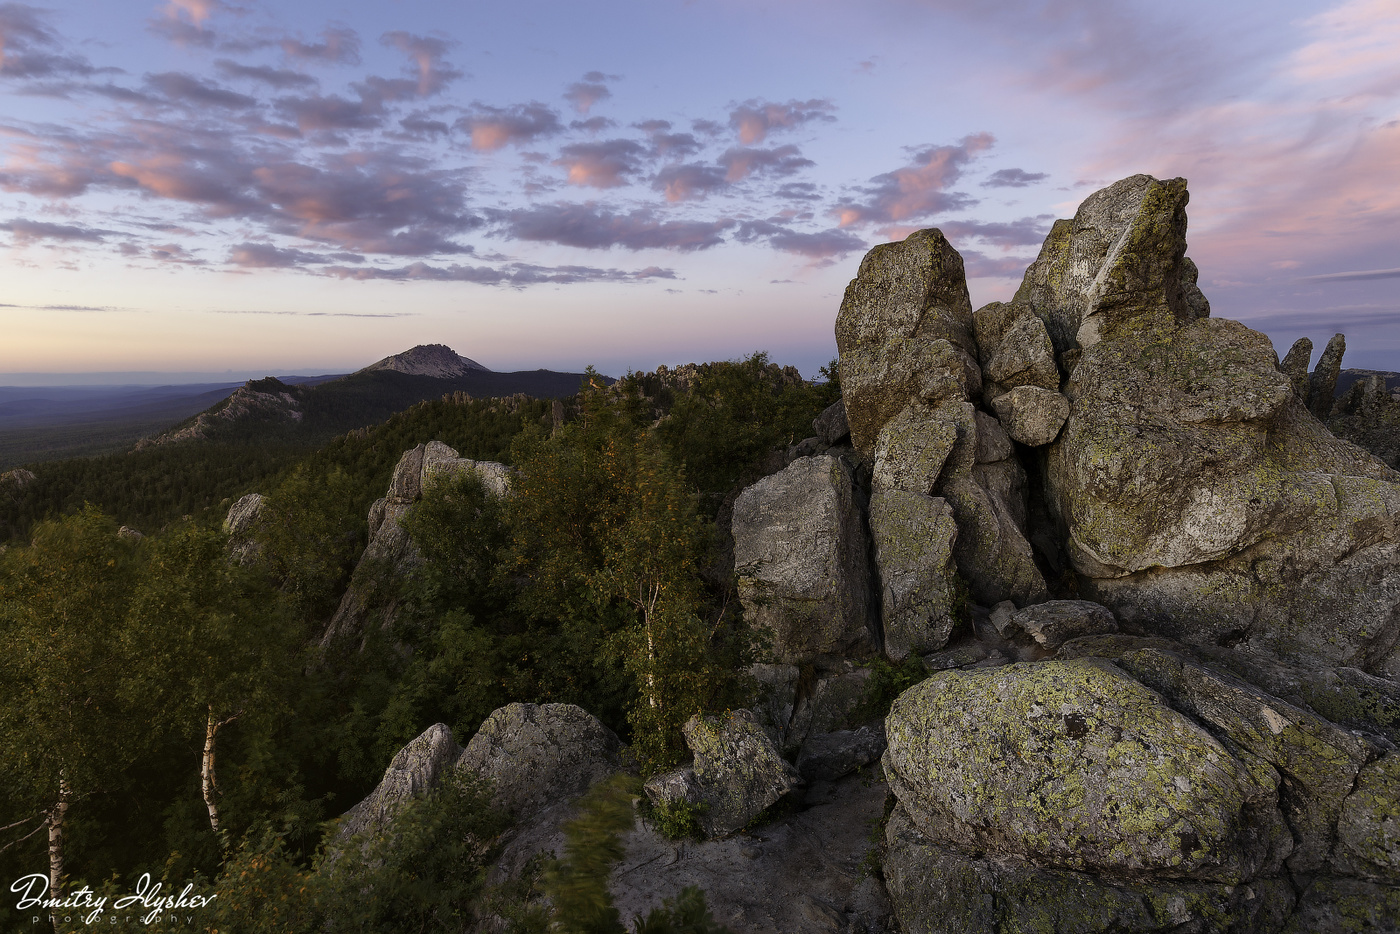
x=689 y=182
x=514 y=274
x=280 y=78
x=1354 y=276
x=740 y=163
x=917 y=190
x=668 y=145
x=29 y=49
x=267 y=256
x=175 y=253
x=491 y=128
x=184 y=89
x=1028 y=231
x=320 y=314
x=584 y=94
x=755 y=119
x=339 y=46
x=26 y=231
x=981 y=266
x=429 y=55
x=419 y=125
x=197 y=11
x=329 y=112
x=1013 y=178
x=592 y=124
x=1328 y=319
x=605 y=164
x=590 y=227
x=821 y=245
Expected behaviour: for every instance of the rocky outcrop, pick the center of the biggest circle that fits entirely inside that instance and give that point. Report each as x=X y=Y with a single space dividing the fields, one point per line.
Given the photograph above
x=1074 y=765
x=415 y=771
x=1197 y=496
x=267 y=400
x=737 y=773
x=15 y=480
x=241 y=524
x=909 y=373
x=539 y=754
x=1053 y=623
x=800 y=554
x=390 y=553
x=920 y=594
x=1368 y=415
x=831 y=427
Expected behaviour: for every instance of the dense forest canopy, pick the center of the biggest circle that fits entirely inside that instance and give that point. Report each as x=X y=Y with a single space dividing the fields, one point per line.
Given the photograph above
x=165 y=708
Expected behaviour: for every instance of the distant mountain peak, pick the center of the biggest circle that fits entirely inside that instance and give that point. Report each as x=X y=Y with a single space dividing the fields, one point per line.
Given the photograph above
x=428 y=360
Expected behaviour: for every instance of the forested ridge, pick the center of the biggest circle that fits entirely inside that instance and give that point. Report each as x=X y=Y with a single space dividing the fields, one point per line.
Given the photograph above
x=169 y=710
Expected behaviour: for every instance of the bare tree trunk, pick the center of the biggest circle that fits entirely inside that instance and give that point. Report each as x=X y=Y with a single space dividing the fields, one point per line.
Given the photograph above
x=208 y=781
x=56 y=815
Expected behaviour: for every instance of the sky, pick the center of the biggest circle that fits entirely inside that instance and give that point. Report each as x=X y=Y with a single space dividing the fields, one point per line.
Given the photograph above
x=234 y=188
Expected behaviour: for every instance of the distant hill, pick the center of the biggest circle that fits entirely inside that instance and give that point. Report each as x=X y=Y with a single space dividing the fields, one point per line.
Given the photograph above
x=270 y=409
x=1347 y=377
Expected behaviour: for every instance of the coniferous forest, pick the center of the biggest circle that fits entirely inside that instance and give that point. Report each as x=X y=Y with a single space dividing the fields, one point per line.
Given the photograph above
x=167 y=709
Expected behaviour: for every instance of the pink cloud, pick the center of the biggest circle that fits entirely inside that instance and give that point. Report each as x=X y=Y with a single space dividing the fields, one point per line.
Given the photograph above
x=916 y=190
x=492 y=128
x=604 y=164
x=753 y=120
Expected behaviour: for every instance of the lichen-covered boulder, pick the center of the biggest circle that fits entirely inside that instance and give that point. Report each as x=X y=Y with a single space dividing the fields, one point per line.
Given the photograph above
x=1341 y=905
x=935 y=889
x=919 y=593
x=1368 y=828
x=1074 y=765
x=539 y=754
x=801 y=557
x=1317 y=759
x=1015 y=350
x=1199 y=498
x=904 y=332
x=414 y=771
x=912 y=447
x=1054 y=622
x=736 y=775
x=1033 y=416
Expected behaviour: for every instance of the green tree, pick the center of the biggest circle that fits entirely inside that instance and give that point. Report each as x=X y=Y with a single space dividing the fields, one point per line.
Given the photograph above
x=65 y=724
x=226 y=650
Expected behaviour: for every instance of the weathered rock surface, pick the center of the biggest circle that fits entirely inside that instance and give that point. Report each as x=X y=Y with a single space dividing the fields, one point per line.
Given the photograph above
x=240 y=524
x=1199 y=498
x=415 y=771
x=1341 y=905
x=913 y=536
x=831 y=426
x=390 y=551
x=938 y=890
x=1053 y=623
x=1074 y=765
x=904 y=333
x=539 y=754
x=1368 y=415
x=736 y=775
x=801 y=556
x=1033 y=416
x=1317 y=760
x=1322 y=386
x=1368 y=828
x=826 y=757
x=1014 y=349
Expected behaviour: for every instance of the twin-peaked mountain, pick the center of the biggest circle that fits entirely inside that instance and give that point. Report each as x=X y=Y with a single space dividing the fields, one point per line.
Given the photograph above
x=269 y=409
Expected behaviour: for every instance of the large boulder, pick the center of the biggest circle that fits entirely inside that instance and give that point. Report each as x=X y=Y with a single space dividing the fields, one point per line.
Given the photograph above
x=540 y=754
x=802 y=559
x=919 y=588
x=1074 y=765
x=904 y=333
x=1197 y=495
x=736 y=775
x=937 y=889
x=1317 y=760
x=415 y=770
x=1368 y=828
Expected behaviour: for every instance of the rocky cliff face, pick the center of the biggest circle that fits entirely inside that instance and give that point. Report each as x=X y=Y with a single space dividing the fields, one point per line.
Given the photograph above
x=267 y=400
